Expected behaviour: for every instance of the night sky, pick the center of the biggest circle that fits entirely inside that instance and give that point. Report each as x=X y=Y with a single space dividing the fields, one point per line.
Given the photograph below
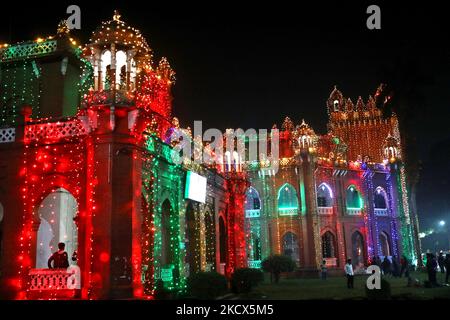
x=248 y=65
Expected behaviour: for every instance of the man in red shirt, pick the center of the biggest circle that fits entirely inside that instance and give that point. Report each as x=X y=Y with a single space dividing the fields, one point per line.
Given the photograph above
x=59 y=258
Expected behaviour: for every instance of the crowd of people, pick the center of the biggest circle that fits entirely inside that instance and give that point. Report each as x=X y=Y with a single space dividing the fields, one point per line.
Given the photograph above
x=432 y=265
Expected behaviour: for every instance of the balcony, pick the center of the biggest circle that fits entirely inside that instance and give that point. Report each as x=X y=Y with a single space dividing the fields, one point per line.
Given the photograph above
x=254 y=264
x=354 y=211
x=7 y=135
x=325 y=211
x=253 y=213
x=381 y=212
x=293 y=211
x=54 y=283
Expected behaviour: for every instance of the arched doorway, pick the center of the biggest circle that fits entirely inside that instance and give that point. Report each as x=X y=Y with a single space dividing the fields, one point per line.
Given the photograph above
x=222 y=241
x=328 y=245
x=167 y=255
x=358 y=251
x=385 y=246
x=290 y=246
x=210 y=237
x=1 y=230
x=192 y=239
x=56 y=212
x=253 y=228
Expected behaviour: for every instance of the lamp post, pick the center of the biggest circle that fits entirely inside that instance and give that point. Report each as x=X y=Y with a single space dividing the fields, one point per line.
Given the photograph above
x=442 y=225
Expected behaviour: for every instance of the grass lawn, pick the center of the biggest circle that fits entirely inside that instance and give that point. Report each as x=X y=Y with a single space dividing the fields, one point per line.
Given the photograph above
x=336 y=288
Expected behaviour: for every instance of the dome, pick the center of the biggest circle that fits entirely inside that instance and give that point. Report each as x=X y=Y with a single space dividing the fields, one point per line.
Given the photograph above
x=118 y=32
x=304 y=129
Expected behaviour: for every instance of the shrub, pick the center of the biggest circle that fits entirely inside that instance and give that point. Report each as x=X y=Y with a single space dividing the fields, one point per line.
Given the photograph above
x=277 y=264
x=243 y=280
x=380 y=294
x=206 y=285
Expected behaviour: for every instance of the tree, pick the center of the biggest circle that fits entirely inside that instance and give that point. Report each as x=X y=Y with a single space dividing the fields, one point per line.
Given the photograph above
x=277 y=264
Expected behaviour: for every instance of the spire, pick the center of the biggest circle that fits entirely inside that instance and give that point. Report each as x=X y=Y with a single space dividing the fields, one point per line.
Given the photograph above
x=116 y=16
x=63 y=28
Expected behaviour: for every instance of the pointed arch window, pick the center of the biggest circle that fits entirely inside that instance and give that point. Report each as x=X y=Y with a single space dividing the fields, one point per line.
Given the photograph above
x=287 y=200
x=252 y=203
x=380 y=202
x=354 y=201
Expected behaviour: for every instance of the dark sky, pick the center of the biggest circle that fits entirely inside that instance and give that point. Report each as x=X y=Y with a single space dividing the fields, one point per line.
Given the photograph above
x=250 y=64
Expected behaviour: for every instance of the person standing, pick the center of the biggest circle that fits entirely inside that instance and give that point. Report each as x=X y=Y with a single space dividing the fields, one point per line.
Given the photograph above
x=447 y=266
x=60 y=258
x=395 y=268
x=349 y=273
x=441 y=261
x=386 y=266
x=404 y=267
x=323 y=270
x=431 y=269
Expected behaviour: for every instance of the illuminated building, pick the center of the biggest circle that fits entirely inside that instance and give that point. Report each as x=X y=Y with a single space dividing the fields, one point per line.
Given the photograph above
x=86 y=160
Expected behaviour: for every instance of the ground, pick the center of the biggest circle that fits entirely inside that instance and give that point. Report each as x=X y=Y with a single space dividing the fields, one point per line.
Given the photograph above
x=336 y=288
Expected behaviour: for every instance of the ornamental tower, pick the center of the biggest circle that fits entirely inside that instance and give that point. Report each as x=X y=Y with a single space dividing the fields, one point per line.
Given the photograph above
x=361 y=126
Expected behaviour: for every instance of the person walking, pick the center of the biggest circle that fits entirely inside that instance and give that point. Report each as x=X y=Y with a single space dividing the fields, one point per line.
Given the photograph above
x=349 y=273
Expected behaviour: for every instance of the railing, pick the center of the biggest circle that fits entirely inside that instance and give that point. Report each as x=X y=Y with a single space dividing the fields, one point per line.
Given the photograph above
x=252 y=213
x=107 y=97
x=326 y=211
x=287 y=211
x=254 y=264
x=56 y=130
x=7 y=135
x=381 y=212
x=27 y=50
x=354 y=211
x=54 y=283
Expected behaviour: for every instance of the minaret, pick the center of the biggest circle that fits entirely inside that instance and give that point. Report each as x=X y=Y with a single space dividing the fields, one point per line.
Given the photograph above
x=305 y=144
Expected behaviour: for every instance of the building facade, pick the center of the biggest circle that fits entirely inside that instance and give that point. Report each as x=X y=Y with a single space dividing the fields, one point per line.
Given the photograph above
x=85 y=159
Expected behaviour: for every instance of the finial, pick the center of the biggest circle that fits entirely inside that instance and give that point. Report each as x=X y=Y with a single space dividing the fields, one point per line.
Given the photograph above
x=116 y=16
x=63 y=28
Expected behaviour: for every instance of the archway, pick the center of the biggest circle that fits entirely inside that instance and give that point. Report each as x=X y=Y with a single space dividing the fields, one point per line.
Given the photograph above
x=358 y=251
x=192 y=239
x=353 y=198
x=252 y=203
x=290 y=246
x=287 y=200
x=210 y=236
x=324 y=196
x=1 y=231
x=56 y=212
x=167 y=254
x=222 y=241
x=380 y=202
x=385 y=244
x=328 y=245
